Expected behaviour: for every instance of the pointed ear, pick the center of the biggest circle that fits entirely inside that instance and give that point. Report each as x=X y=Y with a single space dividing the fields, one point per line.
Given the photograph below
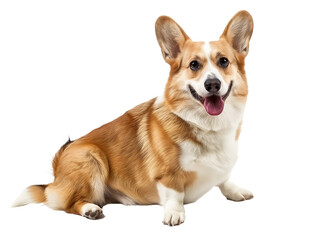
x=170 y=36
x=238 y=32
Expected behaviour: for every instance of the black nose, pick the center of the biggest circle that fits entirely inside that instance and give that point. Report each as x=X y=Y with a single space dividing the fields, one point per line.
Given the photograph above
x=212 y=85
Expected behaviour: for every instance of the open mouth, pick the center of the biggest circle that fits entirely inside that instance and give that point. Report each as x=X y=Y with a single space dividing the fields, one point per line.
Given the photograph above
x=214 y=104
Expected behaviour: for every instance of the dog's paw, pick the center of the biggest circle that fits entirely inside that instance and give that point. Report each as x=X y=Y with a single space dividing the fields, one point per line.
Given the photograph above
x=92 y=211
x=174 y=218
x=235 y=193
x=239 y=194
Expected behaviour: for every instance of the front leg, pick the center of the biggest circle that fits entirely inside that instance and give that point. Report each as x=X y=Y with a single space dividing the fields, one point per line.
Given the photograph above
x=172 y=201
x=234 y=193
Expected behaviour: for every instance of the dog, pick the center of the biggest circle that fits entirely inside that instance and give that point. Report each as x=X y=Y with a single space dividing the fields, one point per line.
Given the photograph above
x=170 y=150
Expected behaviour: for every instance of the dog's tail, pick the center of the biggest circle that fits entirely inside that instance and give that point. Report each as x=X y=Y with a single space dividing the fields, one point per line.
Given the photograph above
x=36 y=193
x=32 y=194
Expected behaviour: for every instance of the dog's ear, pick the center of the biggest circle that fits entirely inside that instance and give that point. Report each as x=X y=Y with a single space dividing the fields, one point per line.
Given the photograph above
x=238 y=32
x=170 y=36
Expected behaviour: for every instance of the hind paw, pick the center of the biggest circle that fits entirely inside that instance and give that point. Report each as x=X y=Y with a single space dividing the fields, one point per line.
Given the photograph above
x=92 y=211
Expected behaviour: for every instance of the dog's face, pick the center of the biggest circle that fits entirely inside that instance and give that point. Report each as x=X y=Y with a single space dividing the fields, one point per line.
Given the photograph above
x=205 y=76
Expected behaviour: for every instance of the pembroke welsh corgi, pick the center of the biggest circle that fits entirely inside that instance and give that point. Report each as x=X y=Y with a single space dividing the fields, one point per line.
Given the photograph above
x=170 y=150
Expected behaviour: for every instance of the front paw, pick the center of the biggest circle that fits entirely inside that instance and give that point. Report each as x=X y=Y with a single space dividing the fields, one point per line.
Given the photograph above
x=239 y=195
x=174 y=218
x=235 y=193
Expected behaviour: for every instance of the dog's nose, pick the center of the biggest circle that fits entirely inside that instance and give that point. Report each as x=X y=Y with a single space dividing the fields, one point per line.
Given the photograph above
x=212 y=85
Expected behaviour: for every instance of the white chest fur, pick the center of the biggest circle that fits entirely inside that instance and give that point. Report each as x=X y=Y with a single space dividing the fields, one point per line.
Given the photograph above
x=212 y=162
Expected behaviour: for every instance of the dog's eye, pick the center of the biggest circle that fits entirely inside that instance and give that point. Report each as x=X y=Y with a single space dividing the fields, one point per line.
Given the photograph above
x=223 y=62
x=194 y=65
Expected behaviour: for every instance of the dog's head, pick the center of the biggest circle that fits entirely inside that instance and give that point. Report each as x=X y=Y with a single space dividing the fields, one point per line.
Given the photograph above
x=205 y=78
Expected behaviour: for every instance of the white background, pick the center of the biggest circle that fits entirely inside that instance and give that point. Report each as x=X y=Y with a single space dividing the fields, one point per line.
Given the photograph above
x=67 y=67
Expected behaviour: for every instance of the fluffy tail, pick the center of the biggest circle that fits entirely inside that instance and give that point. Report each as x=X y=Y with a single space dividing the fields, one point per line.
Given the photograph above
x=32 y=194
x=35 y=193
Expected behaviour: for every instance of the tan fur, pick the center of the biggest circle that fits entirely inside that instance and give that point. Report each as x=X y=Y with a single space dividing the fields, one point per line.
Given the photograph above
x=126 y=158
x=37 y=192
x=238 y=132
x=129 y=155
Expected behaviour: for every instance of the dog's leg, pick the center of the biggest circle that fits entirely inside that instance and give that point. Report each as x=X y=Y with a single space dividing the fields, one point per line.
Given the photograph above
x=172 y=201
x=234 y=193
x=79 y=185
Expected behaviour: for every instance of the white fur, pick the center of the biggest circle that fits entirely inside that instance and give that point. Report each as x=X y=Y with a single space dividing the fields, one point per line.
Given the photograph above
x=172 y=201
x=212 y=162
x=159 y=101
x=98 y=188
x=24 y=199
x=53 y=199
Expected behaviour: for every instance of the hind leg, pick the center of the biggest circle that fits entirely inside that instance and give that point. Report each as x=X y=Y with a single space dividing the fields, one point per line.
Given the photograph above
x=79 y=184
x=72 y=199
x=65 y=198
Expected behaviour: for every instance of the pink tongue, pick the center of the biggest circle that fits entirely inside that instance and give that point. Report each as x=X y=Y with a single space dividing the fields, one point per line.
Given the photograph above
x=214 y=105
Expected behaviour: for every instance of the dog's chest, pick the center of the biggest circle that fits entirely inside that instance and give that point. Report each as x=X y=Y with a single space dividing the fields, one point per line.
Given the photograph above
x=212 y=162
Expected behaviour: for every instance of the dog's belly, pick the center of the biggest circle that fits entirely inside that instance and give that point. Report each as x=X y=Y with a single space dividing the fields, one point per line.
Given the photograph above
x=206 y=178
